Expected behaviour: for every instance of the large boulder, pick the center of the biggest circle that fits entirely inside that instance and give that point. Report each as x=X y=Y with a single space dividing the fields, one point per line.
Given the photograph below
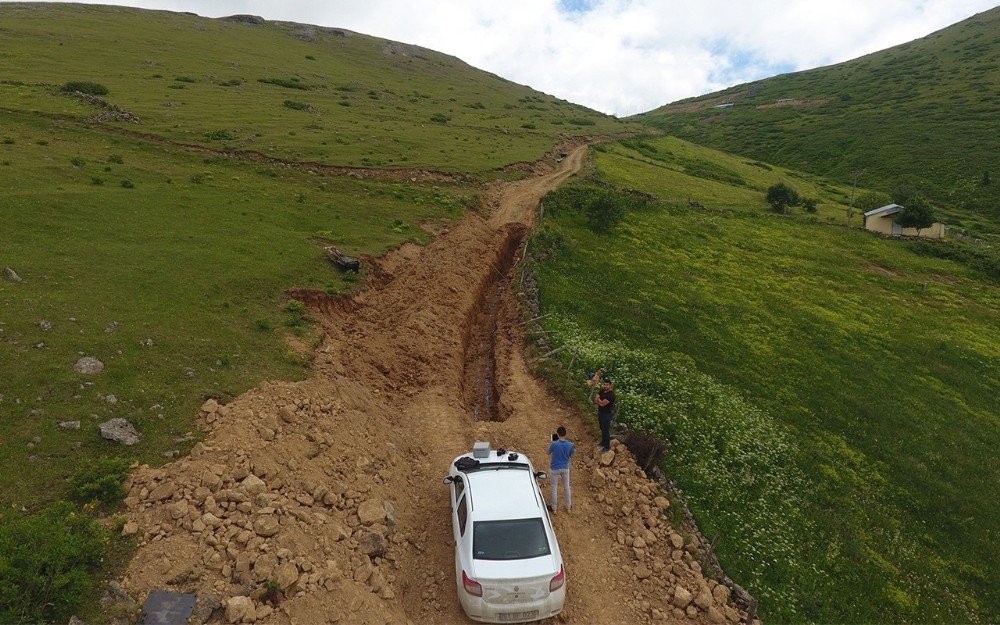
x=120 y=431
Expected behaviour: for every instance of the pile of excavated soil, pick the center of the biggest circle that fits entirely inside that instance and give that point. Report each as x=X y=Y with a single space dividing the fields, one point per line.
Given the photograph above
x=322 y=502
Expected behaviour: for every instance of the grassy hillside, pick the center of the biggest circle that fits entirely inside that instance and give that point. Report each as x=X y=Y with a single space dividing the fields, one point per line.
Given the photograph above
x=287 y=90
x=192 y=257
x=922 y=114
x=829 y=396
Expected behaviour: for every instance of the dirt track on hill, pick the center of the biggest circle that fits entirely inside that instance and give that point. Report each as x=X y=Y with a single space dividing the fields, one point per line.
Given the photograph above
x=332 y=486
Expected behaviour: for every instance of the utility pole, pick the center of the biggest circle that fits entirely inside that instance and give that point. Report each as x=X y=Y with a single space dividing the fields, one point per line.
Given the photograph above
x=854 y=186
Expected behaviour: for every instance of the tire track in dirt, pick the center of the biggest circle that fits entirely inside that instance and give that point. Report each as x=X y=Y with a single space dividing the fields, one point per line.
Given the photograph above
x=332 y=486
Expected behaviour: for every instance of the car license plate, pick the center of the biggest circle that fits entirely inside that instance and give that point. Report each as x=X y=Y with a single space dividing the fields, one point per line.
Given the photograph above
x=511 y=617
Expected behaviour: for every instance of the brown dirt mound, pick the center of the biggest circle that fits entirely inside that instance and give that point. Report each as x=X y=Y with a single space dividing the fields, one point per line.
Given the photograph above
x=332 y=487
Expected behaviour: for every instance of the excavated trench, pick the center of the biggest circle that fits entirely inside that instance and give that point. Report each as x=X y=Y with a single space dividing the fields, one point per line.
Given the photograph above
x=480 y=390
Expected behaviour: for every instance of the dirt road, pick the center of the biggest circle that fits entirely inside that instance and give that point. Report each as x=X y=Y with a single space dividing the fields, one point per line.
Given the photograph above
x=332 y=486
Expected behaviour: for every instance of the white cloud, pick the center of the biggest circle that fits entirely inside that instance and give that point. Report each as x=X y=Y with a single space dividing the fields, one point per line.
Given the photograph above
x=623 y=56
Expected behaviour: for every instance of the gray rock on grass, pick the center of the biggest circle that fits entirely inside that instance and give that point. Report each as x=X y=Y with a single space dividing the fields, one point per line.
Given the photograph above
x=120 y=431
x=11 y=275
x=88 y=365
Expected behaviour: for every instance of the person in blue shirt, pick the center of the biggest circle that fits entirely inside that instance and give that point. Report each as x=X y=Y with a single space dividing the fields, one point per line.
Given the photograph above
x=561 y=449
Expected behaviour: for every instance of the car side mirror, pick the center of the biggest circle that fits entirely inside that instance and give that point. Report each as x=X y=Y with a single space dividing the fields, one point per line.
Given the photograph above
x=449 y=480
x=540 y=475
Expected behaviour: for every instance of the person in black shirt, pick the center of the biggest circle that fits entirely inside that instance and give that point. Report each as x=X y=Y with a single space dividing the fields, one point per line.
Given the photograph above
x=605 y=402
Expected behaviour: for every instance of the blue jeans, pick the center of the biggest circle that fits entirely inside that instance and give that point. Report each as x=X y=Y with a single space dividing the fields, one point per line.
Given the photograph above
x=605 y=421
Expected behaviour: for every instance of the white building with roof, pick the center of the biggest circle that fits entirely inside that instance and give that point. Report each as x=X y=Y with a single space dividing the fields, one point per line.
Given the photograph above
x=883 y=221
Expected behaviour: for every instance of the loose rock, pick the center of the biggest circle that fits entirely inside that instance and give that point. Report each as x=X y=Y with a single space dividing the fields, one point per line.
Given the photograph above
x=88 y=365
x=120 y=431
x=371 y=511
x=682 y=597
x=11 y=275
x=238 y=609
x=266 y=525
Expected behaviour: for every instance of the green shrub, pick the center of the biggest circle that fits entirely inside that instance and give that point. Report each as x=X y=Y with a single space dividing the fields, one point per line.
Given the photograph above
x=96 y=180
x=76 y=161
x=99 y=480
x=8 y=141
x=264 y=325
x=780 y=196
x=90 y=88
x=128 y=184
x=440 y=118
x=809 y=204
x=546 y=243
x=297 y=106
x=219 y=135
x=582 y=122
x=284 y=82
x=529 y=126
x=185 y=79
x=235 y=82
x=47 y=560
x=272 y=591
x=115 y=158
x=603 y=208
x=175 y=86
x=296 y=314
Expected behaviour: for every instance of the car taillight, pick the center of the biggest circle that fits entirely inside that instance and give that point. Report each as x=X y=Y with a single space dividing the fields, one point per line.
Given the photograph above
x=472 y=587
x=557 y=582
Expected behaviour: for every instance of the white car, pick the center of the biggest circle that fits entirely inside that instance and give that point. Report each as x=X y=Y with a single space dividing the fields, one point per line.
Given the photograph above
x=508 y=568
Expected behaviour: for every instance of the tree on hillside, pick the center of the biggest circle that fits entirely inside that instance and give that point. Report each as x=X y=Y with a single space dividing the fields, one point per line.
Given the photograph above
x=872 y=199
x=780 y=196
x=918 y=214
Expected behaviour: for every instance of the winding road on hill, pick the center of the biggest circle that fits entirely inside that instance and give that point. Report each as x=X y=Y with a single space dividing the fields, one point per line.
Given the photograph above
x=332 y=486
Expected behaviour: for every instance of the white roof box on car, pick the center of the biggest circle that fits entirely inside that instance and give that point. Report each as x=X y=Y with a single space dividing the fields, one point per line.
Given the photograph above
x=481 y=449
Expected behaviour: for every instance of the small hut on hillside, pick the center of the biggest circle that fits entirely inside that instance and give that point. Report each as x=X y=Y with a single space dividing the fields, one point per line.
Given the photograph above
x=883 y=221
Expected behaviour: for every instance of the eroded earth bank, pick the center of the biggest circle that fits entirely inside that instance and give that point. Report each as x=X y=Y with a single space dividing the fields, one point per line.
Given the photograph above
x=331 y=488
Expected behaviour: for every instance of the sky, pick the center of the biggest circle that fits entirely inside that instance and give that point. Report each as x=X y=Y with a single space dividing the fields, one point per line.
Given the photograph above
x=621 y=57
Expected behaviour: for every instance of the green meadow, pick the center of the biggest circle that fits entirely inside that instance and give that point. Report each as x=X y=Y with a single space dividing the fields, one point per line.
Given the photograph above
x=828 y=397
x=175 y=281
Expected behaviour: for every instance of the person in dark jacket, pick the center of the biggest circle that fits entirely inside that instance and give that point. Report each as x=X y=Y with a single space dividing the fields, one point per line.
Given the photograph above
x=605 y=402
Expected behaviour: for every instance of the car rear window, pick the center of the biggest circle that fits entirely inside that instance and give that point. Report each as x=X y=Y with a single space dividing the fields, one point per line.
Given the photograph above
x=516 y=539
